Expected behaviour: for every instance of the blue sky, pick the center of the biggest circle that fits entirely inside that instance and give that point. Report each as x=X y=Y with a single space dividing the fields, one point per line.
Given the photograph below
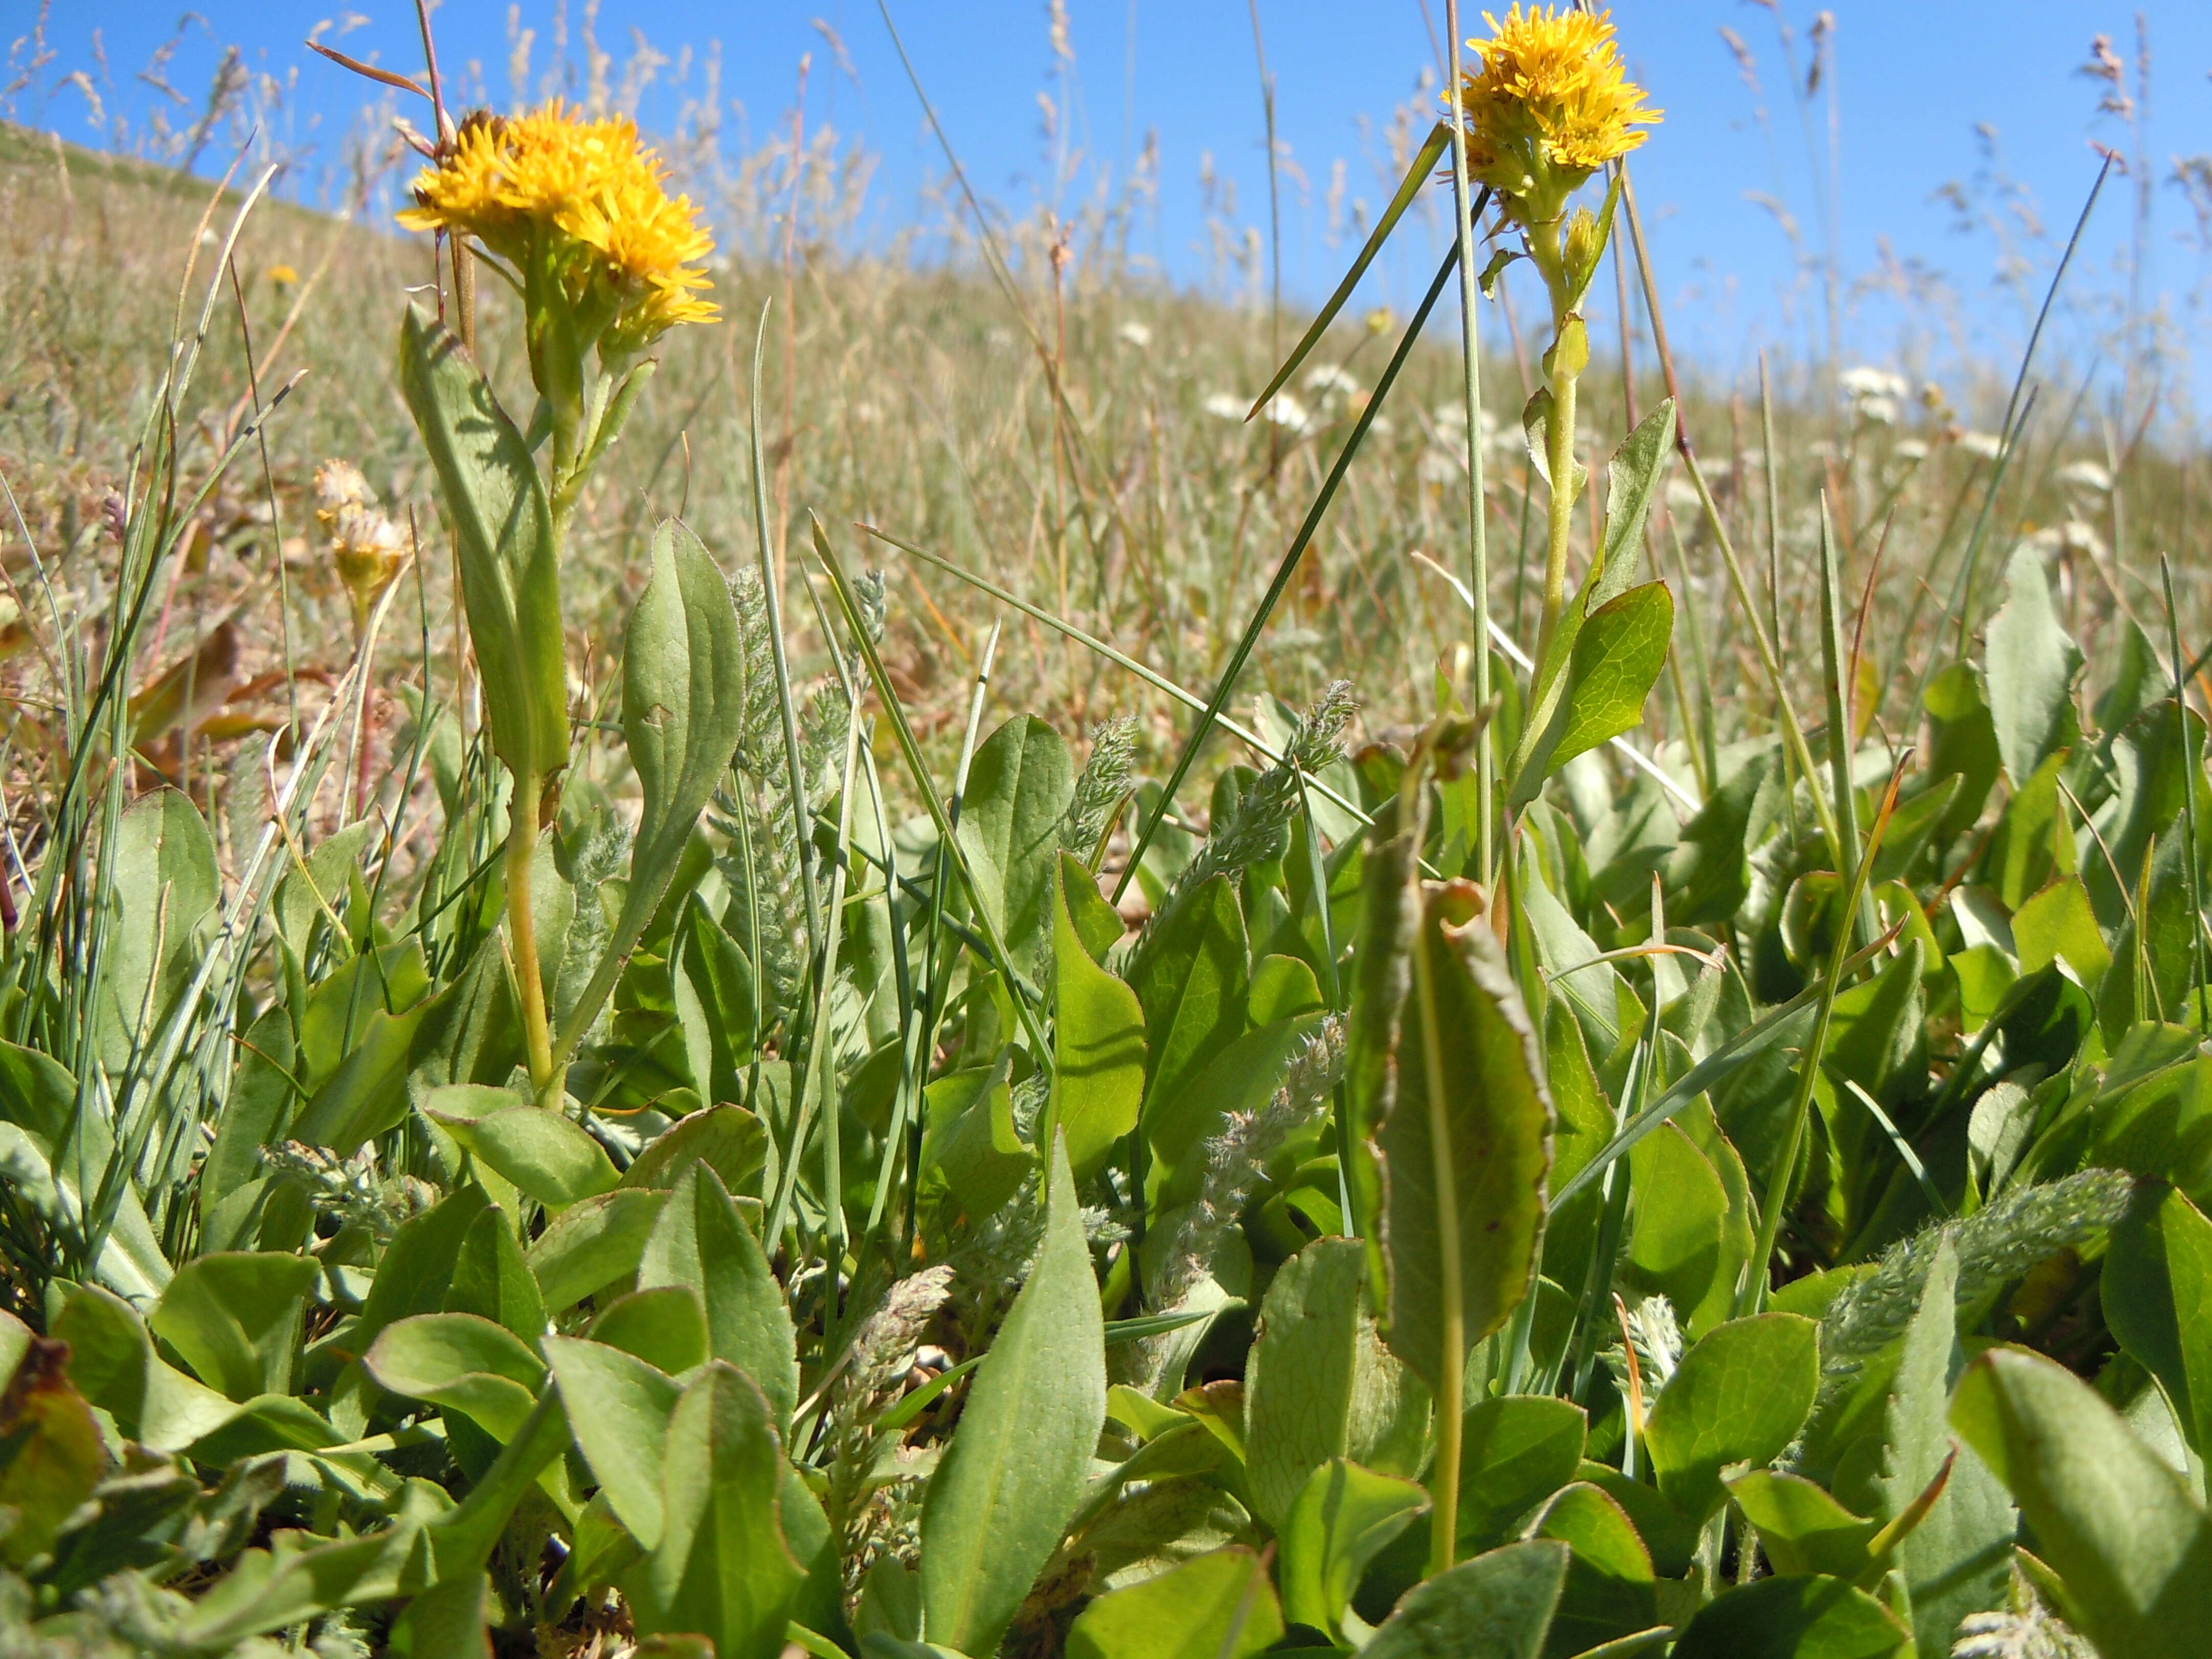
x=1912 y=82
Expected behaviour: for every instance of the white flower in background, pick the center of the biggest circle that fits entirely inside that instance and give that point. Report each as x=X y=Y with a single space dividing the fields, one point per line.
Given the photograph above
x=1682 y=495
x=1224 y=406
x=1332 y=380
x=1440 y=468
x=1754 y=460
x=1877 y=394
x=1287 y=412
x=1450 y=415
x=2085 y=475
x=1135 y=334
x=1909 y=449
x=2078 y=537
x=1987 y=445
x=1862 y=383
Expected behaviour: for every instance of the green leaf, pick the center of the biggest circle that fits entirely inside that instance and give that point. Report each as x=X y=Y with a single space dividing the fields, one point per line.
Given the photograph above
x=234 y=1318
x=1242 y=1077
x=722 y=1567
x=366 y=1094
x=419 y=1355
x=1498 y=1605
x=503 y=525
x=459 y=1362
x=1098 y=1038
x=1630 y=476
x=1675 y=1241
x=1739 y=1396
x=113 y=1365
x=684 y=714
x=1516 y=1451
x=1958 y=1559
x=728 y=1140
x=1798 y=1618
x=1018 y=1464
x=492 y=1278
x=1612 y=662
x=418 y=1263
x=2132 y=1546
x=2157 y=1294
x=166 y=886
x=1319 y=1386
x=547 y=1157
x=970 y=1145
x=1019 y=785
x=2030 y=670
x=2058 y=923
x=618 y=1410
x=1219 y=1606
x=701 y=1242
x=1610 y=1590
x=1803 y=1529
x=1343 y=1517
x=39 y=1096
x=1192 y=977
x=1487 y=1105
x=665 y=1326
x=593 y=1244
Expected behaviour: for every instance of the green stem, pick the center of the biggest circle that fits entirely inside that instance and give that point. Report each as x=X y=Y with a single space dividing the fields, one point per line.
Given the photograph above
x=522 y=933
x=1477 y=539
x=1451 y=1370
x=1560 y=456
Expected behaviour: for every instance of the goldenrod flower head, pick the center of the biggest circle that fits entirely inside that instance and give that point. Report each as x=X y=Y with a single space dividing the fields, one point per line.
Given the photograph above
x=1551 y=105
x=283 y=276
x=580 y=202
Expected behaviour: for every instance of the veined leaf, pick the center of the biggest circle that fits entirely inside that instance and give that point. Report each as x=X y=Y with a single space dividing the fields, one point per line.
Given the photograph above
x=1219 y=1606
x=701 y=1242
x=1497 y=1606
x=1098 y=1038
x=1957 y=1559
x=2132 y=1546
x=1465 y=1151
x=1739 y=1396
x=684 y=713
x=1632 y=476
x=510 y=567
x=1319 y=1385
x=1343 y=1517
x=2030 y=670
x=723 y=1568
x=1018 y=1464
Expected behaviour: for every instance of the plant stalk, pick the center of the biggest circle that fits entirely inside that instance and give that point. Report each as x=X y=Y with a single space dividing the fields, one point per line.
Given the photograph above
x=522 y=933
x=1478 y=544
x=1451 y=1371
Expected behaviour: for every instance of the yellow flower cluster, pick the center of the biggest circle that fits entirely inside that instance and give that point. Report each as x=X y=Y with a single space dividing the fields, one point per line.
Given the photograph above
x=585 y=196
x=1551 y=106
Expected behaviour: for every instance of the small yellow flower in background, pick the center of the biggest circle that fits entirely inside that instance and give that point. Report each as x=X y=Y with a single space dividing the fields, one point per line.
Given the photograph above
x=284 y=275
x=579 y=203
x=1551 y=105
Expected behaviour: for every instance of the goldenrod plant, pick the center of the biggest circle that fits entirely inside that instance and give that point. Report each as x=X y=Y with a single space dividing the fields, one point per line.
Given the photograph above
x=572 y=1080
x=572 y=213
